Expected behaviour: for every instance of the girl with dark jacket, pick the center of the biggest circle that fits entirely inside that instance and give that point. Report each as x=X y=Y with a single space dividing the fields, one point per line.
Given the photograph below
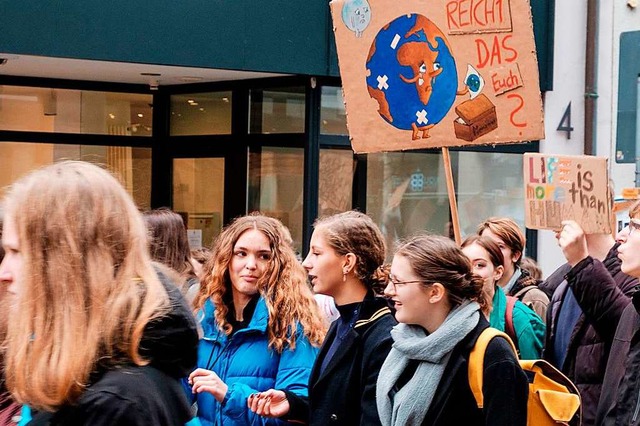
x=345 y=261
x=584 y=311
x=424 y=380
x=94 y=337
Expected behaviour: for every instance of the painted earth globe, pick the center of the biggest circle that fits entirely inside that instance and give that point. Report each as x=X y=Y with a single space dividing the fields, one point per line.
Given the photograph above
x=411 y=73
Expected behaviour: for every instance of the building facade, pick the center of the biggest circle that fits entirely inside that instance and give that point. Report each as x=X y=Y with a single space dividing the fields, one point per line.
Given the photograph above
x=216 y=109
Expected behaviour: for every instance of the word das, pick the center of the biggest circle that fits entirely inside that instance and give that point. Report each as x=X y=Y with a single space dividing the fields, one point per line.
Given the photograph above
x=495 y=51
x=467 y=16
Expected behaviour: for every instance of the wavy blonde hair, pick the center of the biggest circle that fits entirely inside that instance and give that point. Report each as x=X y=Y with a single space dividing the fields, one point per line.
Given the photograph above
x=87 y=288
x=284 y=285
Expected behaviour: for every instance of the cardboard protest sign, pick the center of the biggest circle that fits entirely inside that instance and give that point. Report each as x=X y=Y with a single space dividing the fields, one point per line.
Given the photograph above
x=561 y=188
x=437 y=73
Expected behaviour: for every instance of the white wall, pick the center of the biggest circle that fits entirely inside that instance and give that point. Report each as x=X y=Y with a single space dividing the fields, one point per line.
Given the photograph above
x=568 y=84
x=568 y=81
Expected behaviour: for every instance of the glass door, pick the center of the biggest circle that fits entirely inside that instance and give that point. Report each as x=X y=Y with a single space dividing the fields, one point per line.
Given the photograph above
x=198 y=195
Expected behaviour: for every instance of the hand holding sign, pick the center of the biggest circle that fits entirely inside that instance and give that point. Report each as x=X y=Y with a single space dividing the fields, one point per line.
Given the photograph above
x=573 y=242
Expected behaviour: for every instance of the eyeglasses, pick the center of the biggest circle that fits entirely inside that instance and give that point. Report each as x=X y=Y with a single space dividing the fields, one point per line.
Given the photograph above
x=634 y=225
x=395 y=283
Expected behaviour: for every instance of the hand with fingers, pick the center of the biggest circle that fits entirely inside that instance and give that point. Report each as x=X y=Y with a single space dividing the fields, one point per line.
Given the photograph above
x=271 y=403
x=202 y=380
x=572 y=241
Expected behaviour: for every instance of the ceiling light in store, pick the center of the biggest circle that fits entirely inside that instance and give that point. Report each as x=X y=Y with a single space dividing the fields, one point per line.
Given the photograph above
x=225 y=99
x=112 y=116
x=190 y=79
x=140 y=115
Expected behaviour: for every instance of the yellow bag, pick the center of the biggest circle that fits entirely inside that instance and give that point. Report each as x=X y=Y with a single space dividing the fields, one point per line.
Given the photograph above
x=553 y=398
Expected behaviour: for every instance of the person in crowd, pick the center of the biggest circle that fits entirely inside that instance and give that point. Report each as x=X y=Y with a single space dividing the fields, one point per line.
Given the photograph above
x=621 y=236
x=198 y=258
x=262 y=327
x=526 y=329
x=515 y=281
x=169 y=244
x=345 y=261
x=8 y=407
x=620 y=397
x=94 y=336
x=583 y=314
x=424 y=380
x=531 y=266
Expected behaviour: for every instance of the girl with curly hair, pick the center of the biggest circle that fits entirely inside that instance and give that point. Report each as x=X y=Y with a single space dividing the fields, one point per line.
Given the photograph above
x=262 y=327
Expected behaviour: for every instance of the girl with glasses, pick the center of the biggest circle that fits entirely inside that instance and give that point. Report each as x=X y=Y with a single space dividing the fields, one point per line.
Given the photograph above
x=424 y=380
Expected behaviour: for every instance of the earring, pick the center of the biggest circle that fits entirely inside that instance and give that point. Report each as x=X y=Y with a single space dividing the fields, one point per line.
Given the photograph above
x=344 y=276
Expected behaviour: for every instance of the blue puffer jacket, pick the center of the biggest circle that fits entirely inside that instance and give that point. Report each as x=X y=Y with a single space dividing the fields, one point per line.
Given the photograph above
x=246 y=364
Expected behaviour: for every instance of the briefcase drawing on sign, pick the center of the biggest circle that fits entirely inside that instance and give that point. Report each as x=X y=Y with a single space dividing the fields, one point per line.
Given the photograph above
x=476 y=117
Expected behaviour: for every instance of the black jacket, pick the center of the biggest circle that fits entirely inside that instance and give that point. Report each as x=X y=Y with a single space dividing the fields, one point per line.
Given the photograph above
x=620 y=398
x=132 y=395
x=505 y=387
x=345 y=392
x=590 y=341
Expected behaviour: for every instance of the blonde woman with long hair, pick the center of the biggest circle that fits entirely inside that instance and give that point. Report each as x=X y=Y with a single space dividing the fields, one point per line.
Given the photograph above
x=262 y=327
x=88 y=311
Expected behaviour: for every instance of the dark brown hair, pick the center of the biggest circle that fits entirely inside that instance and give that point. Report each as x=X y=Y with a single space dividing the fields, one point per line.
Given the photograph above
x=495 y=255
x=355 y=232
x=435 y=258
x=168 y=241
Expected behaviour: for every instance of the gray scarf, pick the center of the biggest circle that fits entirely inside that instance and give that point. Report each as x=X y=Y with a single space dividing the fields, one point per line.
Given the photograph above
x=411 y=403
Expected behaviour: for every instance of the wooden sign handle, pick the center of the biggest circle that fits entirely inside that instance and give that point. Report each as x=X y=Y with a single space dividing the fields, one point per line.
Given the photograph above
x=451 y=190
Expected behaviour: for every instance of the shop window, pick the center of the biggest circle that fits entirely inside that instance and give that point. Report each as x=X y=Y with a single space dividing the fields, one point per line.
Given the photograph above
x=488 y=184
x=36 y=109
x=276 y=187
x=335 y=183
x=201 y=114
x=198 y=195
x=277 y=110
x=333 y=117
x=132 y=166
x=407 y=192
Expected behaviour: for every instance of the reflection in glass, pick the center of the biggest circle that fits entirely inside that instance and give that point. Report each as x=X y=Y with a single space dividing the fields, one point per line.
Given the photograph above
x=407 y=193
x=491 y=185
x=277 y=110
x=201 y=114
x=276 y=187
x=198 y=195
x=37 y=109
x=333 y=117
x=132 y=166
x=335 y=181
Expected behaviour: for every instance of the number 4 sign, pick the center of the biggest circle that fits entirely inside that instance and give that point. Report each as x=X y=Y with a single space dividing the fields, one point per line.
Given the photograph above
x=565 y=122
